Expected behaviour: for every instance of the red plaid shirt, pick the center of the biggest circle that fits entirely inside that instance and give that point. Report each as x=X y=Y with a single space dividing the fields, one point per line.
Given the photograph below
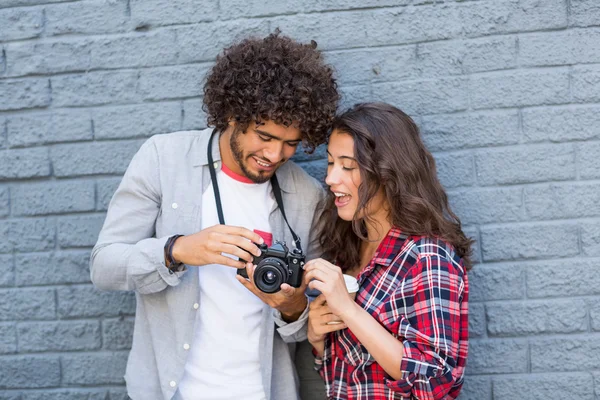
x=417 y=288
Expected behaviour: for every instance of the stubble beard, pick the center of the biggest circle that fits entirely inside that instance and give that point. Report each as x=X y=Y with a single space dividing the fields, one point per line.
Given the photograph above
x=238 y=157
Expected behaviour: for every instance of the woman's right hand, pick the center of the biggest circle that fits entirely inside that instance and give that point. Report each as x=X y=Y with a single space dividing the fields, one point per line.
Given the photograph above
x=321 y=322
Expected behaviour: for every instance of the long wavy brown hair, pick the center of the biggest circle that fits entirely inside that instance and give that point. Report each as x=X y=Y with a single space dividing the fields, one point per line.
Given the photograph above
x=390 y=154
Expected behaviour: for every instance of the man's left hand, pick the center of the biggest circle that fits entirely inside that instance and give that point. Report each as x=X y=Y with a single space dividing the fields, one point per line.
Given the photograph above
x=290 y=301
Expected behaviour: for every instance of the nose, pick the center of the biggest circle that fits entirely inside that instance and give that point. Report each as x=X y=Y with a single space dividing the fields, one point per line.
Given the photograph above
x=274 y=152
x=333 y=177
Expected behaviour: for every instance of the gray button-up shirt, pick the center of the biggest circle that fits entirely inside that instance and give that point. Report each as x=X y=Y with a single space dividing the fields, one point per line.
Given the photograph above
x=161 y=195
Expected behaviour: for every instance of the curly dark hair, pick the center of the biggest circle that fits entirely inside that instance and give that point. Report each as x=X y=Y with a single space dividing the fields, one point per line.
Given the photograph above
x=273 y=79
x=390 y=154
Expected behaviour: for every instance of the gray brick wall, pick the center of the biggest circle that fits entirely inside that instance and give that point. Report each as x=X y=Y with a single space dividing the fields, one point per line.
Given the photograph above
x=507 y=93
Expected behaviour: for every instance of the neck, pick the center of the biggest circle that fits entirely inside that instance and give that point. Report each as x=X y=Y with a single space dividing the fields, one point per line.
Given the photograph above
x=226 y=154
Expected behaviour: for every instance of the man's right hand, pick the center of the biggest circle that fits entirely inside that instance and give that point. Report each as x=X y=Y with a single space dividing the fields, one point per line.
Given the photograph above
x=208 y=245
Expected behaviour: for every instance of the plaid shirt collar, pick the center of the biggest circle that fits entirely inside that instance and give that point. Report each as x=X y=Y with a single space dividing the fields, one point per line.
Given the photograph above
x=386 y=252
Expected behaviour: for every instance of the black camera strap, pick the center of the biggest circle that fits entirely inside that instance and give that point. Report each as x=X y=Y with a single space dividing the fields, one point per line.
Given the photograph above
x=274 y=184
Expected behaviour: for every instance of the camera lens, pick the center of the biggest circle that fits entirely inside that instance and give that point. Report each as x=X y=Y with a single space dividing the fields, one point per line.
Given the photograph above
x=269 y=274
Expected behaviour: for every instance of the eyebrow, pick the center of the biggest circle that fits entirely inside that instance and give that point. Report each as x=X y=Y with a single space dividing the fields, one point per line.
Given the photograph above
x=267 y=134
x=343 y=157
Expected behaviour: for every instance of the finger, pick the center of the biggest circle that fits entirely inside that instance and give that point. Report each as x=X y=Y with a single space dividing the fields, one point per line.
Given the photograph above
x=318 y=275
x=234 y=251
x=320 y=300
x=287 y=290
x=318 y=285
x=244 y=232
x=333 y=327
x=227 y=261
x=238 y=241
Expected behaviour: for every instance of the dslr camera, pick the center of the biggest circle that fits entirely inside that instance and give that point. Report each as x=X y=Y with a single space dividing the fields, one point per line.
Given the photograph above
x=276 y=265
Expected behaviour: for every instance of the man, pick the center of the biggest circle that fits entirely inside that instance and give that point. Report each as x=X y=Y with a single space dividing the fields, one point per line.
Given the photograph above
x=202 y=331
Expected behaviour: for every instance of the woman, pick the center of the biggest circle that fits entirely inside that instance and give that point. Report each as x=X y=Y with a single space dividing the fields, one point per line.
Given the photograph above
x=387 y=222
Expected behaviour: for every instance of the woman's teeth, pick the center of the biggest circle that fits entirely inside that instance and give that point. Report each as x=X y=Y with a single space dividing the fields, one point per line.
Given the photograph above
x=337 y=194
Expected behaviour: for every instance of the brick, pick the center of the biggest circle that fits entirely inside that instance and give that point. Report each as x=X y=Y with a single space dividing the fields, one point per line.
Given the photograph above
x=85 y=301
x=319 y=154
x=79 y=231
x=476 y=320
x=24 y=93
x=25 y=163
x=92 y=88
x=536 y=318
x=7 y=269
x=585 y=84
x=146 y=13
x=489 y=205
x=117 y=334
x=20 y=23
x=58 y=126
x=53 y=197
x=588 y=162
x=404 y=25
x=476 y=388
x=172 y=82
x=53 y=268
x=202 y=42
x=70 y=394
x=351 y=95
x=93 y=158
x=118 y=394
x=425 y=96
x=31 y=234
x=136 y=121
x=360 y=66
x=561 y=124
x=481 y=129
x=29 y=372
x=560 y=48
x=47 y=57
x=5 y=245
x=27 y=304
x=243 y=9
x=8 y=338
x=455 y=169
x=525 y=164
x=467 y=56
x=561 y=278
x=497 y=356
x=105 y=189
x=93 y=369
x=4 y=201
x=576 y=353
x=517 y=89
x=59 y=336
x=12 y=3
x=194 y=116
x=543 y=387
x=523 y=241
x=590 y=238
x=595 y=315
x=473 y=233
x=584 y=13
x=569 y=200
x=317 y=169
x=507 y=16
x=139 y=50
x=496 y=282
x=87 y=17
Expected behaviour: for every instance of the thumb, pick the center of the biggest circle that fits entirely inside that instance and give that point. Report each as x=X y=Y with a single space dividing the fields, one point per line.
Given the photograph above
x=288 y=290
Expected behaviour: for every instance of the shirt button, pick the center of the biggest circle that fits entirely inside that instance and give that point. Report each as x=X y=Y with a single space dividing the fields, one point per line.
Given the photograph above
x=216 y=164
x=196 y=306
x=174 y=205
x=172 y=384
x=186 y=346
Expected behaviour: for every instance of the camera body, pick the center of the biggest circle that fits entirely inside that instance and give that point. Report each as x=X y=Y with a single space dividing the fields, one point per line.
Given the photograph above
x=276 y=265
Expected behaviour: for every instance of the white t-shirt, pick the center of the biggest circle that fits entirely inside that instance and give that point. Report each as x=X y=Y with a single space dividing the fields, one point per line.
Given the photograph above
x=224 y=358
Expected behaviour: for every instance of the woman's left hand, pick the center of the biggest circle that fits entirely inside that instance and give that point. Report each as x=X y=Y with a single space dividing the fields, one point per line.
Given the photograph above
x=329 y=280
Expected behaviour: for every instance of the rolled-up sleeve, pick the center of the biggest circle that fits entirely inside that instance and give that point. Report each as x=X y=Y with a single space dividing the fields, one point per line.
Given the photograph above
x=424 y=313
x=127 y=256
